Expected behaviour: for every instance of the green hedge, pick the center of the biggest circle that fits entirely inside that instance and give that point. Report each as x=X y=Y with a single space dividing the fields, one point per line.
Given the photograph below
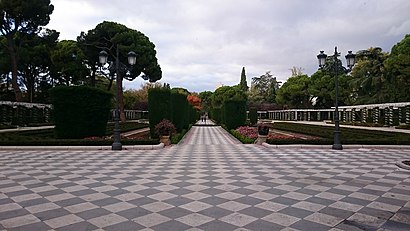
x=46 y=137
x=80 y=111
x=253 y=116
x=159 y=107
x=216 y=115
x=242 y=138
x=234 y=113
x=180 y=110
x=348 y=135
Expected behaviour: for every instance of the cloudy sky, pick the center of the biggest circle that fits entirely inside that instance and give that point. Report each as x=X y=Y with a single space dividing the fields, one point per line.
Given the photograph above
x=201 y=44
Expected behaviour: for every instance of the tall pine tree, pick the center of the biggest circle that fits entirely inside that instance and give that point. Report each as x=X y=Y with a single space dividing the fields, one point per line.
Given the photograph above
x=243 y=85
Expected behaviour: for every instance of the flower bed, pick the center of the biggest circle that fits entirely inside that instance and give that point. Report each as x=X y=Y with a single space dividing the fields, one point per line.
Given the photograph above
x=252 y=133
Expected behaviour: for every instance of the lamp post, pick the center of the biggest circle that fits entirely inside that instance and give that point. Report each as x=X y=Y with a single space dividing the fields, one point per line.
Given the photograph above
x=119 y=71
x=350 y=59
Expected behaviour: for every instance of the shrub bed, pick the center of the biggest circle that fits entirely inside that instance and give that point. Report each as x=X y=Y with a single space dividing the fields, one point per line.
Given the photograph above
x=46 y=137
x=348 y=135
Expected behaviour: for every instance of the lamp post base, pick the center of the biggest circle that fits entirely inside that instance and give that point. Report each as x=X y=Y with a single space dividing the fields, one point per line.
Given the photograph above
x=337 y=147
x=336 y=142
x=116 y=146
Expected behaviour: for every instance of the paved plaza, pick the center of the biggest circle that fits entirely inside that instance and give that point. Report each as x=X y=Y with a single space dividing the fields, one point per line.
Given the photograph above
x=208 y=182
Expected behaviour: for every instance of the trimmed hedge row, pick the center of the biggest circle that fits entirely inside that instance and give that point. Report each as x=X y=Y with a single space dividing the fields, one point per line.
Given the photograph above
x=80 y=111
x=234 y=113
x=159 y=107
x=348 y=135
x=46 y=137
x=173 y=105
x=24 y=116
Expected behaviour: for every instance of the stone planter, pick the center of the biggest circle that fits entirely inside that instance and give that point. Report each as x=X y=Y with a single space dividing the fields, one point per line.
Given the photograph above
x=261 y=139
x=165 y=140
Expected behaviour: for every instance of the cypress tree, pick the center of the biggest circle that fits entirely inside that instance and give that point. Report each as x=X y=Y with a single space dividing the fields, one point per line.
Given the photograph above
x=243 y=84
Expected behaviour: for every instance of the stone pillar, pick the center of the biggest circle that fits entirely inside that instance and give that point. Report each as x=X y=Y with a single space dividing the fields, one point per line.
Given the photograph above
x=318 y=116
x=400 y=117
x=344 y=115
x=376 y=115
x=364 y=115
x=353 y=115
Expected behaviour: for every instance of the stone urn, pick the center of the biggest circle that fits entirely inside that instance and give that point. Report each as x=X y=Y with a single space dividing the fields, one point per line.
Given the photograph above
x=165 y=140
x=263 y=132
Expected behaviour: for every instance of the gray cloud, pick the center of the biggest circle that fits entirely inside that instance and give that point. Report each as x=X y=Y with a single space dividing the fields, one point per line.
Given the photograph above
x=205 y=43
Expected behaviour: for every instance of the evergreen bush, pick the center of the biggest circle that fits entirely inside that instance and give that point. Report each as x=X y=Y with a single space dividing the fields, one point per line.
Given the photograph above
x=159 y=107
x=80 y=111
x=253 y=116
x=234 y=113
x=180 y=110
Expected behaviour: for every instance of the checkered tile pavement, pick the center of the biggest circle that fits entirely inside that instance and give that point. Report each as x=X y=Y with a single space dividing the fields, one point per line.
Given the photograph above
x=197 y=186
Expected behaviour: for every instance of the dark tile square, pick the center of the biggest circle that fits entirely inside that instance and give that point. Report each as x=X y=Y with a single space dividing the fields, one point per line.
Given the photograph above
x=149 y=191
x=171 y=225
x=255 y=212
x=215 y=212
x=319 y=200
x=71 y=201
x=13 y=213
x=180 y=191
x=393 y=225
x=89 y=214
x=51 y=193
x=296 y=212
x=40 y=226
x=244 y=191
x=214 y=200
x=212 y=191
x=382 y=214
x=36 y=201
x=285 y=201
x=336 y=212
x=50 y=214
x=356 y=201
x=134 y=213
x=249 y=200
x=116 y=192
x=275 y=191
x=106 y=201
x=83 y=226
x=217 y=225
x=391 y=201
x=6 y=201
x=178 y=201
x=308 y=191
x=83 y=192
x=141 y=201
x=19 y=193
x=263 y=225
x=308 y=225
x=126 y=225
x=123 y=184
x=174 y=213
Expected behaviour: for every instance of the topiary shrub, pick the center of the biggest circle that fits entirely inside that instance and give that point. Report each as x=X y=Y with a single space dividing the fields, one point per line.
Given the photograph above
x=180 y=113
x=234 y=113
x=159 y=107
x=253 y=116
x=80 y=111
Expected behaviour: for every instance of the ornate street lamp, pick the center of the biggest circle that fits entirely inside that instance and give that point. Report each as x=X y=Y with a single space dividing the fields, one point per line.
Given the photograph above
x=132 y=59
x=350 y=59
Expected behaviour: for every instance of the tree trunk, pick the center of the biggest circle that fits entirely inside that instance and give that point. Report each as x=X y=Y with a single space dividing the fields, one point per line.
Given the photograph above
x=92 y=82
x=121 y=99
x=13 y=59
